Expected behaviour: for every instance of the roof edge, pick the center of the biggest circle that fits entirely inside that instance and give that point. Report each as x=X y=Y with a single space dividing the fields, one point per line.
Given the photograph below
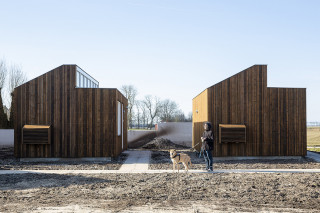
x=231 y=77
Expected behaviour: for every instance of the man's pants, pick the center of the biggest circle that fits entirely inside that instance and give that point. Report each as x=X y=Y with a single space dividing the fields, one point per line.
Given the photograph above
x=208 y=158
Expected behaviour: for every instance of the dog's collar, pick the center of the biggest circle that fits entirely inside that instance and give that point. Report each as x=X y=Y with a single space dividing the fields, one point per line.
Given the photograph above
x=176 y=156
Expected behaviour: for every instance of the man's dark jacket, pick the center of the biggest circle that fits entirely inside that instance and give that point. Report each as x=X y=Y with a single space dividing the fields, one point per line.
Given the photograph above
x=208 y=142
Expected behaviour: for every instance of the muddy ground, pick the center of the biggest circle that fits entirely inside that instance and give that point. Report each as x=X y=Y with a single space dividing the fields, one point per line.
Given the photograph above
x=161 y=160
x=159 y=192
x=167 y=192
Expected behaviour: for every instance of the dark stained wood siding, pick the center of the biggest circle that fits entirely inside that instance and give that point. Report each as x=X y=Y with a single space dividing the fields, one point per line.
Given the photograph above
x=83 y=120
x=285 y=121
x=275 y=118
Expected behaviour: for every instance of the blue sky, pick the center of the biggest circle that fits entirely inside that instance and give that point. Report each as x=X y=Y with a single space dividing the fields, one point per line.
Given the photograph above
x=169 y=48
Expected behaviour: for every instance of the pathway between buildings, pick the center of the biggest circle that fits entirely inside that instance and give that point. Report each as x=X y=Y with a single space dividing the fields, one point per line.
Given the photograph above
x=137 y=161
x=314 y=156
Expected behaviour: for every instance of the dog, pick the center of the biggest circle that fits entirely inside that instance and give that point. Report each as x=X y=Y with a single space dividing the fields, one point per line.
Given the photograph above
x=180 y=158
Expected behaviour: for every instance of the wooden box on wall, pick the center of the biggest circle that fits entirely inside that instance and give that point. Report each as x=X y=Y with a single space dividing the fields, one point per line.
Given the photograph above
x=36 y=134
x=231 y=133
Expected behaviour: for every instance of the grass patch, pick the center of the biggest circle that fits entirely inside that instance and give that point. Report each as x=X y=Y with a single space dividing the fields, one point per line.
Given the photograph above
x=314 y=149
x=313 y=136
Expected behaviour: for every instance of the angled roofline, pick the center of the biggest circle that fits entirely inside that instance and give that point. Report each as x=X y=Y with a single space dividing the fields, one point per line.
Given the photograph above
x=76 y=66
x=238 y=73
x=230 y=77
x=41 y=75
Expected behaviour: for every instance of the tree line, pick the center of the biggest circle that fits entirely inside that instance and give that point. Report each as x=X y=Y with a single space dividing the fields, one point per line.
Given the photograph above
x=151 y=109
x=10 y=78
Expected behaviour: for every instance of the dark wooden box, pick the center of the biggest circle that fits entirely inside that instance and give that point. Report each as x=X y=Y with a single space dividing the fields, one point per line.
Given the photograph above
x=231 y=133
x=36 y=134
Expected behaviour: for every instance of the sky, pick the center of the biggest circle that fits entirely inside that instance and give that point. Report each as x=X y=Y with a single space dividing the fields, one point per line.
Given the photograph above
x=173 y=49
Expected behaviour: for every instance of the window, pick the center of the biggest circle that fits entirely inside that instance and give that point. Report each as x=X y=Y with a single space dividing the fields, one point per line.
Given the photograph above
x=83 y=80
x=119 y=119
x=78 y=80
x=122 y=125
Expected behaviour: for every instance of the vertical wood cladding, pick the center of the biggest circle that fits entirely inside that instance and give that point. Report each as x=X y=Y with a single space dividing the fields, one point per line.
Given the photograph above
x=83 y=120
x=275 y=118
x=199 y=115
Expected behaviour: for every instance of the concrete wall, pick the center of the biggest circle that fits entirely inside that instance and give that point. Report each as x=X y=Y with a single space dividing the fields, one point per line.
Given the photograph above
x=6 y=137
x=177 y=132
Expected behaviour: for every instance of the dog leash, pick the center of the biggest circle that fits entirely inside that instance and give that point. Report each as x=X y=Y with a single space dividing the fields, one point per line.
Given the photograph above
x=201 y=151
x=194 y=146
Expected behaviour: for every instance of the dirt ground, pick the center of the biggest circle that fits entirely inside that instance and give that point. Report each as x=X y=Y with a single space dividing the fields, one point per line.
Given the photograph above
x=8 y=161
x=173 y=192
x=161 y=160
x=167 y=192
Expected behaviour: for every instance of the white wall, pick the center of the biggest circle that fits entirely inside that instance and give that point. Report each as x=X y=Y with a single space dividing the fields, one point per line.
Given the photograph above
x=6 y=137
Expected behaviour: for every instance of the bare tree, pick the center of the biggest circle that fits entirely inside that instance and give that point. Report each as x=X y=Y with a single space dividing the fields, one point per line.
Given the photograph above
x=16 y=78
x=3 y=75
x=179 y=116
x=153 y=105
x=138 y=112
x=130 y=92
x=168 y=110
x=144 y=114
x=189 y=118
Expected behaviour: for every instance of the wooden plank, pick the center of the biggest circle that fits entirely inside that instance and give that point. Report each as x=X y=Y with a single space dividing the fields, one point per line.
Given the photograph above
x=200 y=115
x=97 y=123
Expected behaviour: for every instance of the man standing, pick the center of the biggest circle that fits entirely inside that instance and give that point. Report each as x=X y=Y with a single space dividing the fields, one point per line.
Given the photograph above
x=207 y=145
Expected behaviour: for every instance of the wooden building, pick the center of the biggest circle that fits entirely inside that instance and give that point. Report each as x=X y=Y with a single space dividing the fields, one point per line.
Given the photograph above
x=250 y=119
x=64 y=114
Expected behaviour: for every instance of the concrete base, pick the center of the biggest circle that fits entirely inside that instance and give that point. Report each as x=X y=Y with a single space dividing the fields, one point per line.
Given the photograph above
x=216 y=159
x=98 y=159
x=313 y=155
